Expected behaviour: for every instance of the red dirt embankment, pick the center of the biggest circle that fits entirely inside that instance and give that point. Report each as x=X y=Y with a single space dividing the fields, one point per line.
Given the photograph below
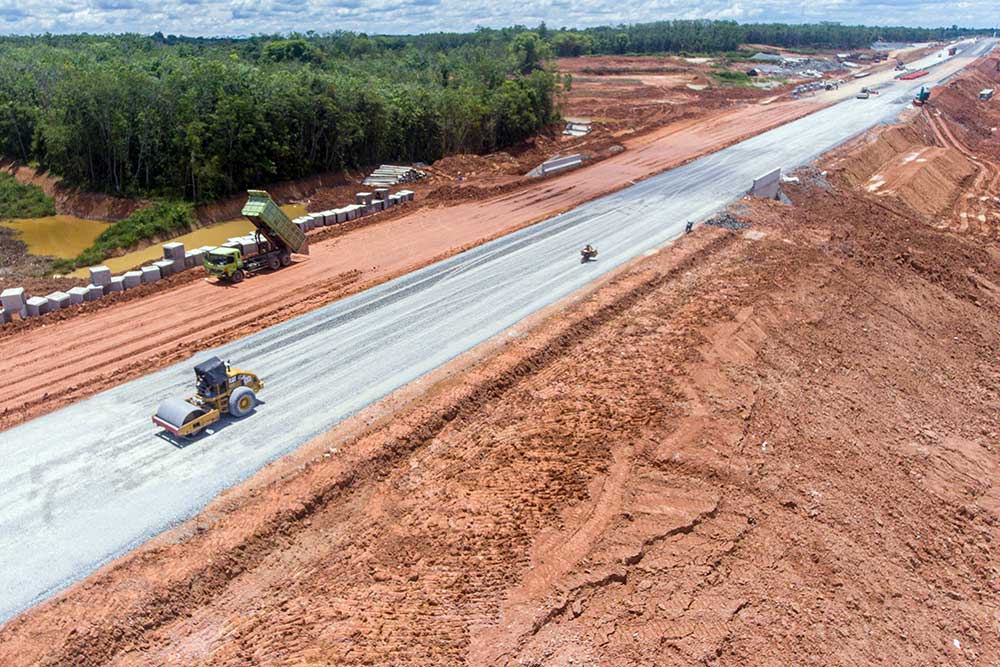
x=775 y=451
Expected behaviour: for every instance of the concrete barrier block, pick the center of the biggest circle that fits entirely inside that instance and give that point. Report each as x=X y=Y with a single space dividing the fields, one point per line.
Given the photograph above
x=37 y=305
x=76 y=295
x=117 y=284
x=303 y=225
x=150 y=274
x=405 y=195
x=4 y=316
x=13 y=299
x=166 y=267
x=381 y=193
x=173 y=250
x=100 y=275
x=94 y=292
x=58 y=300
x=131 y=279
x=193 y=258
x=378 y=205
x=364 y=198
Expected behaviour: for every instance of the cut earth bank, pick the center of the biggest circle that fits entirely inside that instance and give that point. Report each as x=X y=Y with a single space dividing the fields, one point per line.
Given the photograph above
x=768 y=446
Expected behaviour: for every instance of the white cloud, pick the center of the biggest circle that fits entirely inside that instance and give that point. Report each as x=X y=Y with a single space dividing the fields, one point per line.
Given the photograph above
x=241 y=17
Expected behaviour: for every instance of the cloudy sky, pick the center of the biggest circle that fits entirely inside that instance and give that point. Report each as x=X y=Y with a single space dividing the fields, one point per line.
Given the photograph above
x=243 y=17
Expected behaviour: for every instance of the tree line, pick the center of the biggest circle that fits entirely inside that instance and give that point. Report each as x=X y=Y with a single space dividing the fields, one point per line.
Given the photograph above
x=202 y=118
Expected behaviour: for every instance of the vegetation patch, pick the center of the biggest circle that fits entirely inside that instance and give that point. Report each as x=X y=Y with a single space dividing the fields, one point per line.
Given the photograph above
x=18 y=200
x=730 y=77
x=162 y=220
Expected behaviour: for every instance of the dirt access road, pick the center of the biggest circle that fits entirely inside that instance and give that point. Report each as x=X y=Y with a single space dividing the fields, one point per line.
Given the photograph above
x=744 y=450
x=50 y=364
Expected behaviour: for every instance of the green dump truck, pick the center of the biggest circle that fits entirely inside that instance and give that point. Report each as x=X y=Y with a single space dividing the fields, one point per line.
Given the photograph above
x=269 y=247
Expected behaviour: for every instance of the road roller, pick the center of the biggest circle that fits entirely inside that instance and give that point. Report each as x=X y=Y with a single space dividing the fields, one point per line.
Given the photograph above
x=221 y=390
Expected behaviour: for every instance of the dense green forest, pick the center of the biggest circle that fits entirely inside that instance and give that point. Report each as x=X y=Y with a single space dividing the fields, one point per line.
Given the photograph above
x=199 y=118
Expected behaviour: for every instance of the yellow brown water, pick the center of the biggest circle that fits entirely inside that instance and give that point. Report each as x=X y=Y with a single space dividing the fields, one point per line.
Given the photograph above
x=57 y=235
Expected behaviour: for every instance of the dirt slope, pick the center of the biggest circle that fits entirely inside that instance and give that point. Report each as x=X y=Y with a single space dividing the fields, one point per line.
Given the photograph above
x=743 y=450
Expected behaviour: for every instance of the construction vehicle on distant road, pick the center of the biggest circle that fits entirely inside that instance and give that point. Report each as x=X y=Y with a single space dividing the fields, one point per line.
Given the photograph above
x=922 y=96
x=270 y=247
x=220 y=390
x=588 y=253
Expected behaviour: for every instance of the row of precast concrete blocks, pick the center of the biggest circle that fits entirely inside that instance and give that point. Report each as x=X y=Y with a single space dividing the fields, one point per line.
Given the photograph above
x=365 y=204
x=16 y=301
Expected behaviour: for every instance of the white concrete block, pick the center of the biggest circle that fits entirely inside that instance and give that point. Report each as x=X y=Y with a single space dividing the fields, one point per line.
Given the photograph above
x=37 y=305
x=405 y=195
x=13 y=299
x=94 y=292
x=173 y=250
x=117 y=284
x=166 y=267
x=58 y=300
x=150 y=274
x=77 y=295
x=196 y=257
x=382 y=193
x=100 y=275
x=131 y=279
x=363 y=198
x=378 y=205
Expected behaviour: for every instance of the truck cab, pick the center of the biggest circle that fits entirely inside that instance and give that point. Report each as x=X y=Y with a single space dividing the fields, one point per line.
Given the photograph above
x=224 y=262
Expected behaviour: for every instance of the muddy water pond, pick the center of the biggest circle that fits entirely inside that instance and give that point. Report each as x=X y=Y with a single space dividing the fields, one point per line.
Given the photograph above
x=57 y=235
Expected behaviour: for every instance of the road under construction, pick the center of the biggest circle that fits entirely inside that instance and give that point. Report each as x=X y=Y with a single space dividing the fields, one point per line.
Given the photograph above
x=91 y=481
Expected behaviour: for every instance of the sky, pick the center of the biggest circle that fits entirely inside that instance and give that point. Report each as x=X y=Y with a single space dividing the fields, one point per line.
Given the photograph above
x=246 y=17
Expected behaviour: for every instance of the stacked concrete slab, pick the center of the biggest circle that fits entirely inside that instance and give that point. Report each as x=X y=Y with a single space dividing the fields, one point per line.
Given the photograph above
x=389 y=174
x=131 y=279
x=100 y=275
x=36 y=305
x=58 y=300
x=13 y=300
x=194 y=258
x=77 y=295
x=150 y=274
x=166 y=267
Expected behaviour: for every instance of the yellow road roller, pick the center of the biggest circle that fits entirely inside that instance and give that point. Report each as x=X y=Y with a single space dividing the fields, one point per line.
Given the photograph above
x=221 y=390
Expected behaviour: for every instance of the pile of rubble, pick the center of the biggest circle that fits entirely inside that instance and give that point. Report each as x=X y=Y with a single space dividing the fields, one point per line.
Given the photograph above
x=389 y=174
x=726 y=221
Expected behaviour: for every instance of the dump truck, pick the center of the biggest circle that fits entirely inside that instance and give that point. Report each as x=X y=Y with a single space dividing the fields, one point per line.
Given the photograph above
x=220 y=390
x=922 y=96
x=274 y=240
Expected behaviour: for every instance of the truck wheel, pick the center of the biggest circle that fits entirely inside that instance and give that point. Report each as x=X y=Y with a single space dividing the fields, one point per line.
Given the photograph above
x=241 y=401
x=237 y=276
x=286 y=258
x=274 y=263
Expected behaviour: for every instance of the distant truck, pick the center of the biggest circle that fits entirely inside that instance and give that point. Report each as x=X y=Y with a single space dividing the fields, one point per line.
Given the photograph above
x=274 y=240
x=986 y=94
x=953 y=50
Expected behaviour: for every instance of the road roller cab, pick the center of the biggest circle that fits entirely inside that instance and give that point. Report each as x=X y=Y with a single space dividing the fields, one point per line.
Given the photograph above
x=220 y=390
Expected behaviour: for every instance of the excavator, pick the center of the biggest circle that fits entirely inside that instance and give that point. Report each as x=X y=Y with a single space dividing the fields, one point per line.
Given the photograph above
x=920 y=99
